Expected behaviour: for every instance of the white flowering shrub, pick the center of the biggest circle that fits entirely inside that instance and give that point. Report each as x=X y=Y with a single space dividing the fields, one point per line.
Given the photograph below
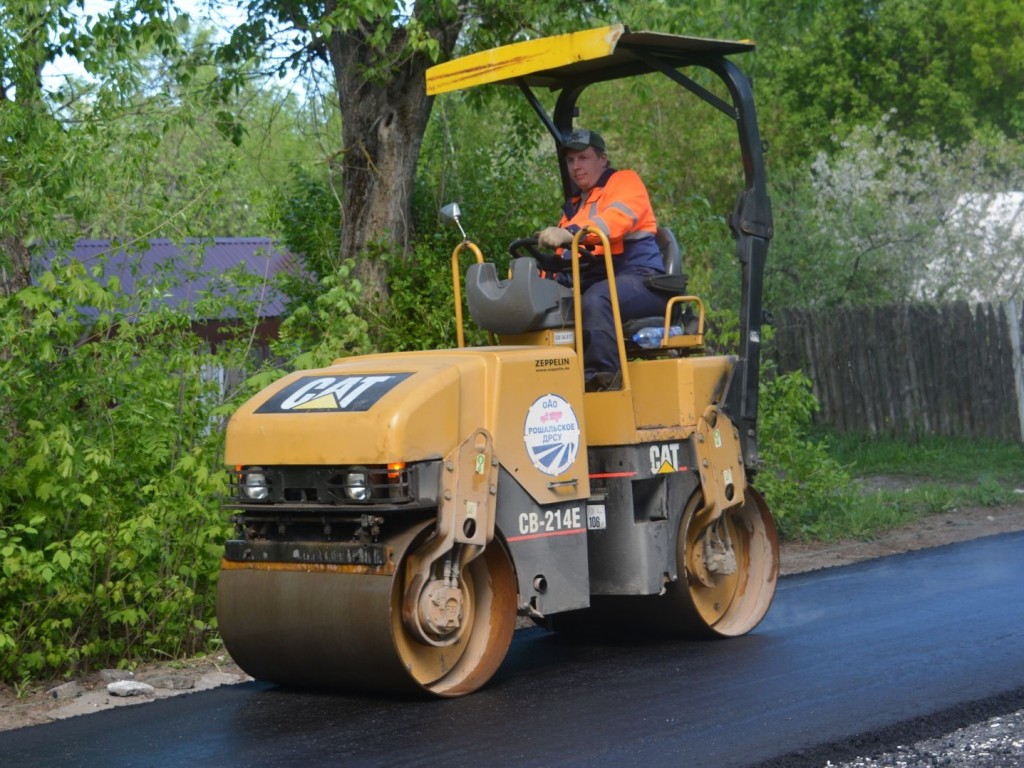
x=887 y=218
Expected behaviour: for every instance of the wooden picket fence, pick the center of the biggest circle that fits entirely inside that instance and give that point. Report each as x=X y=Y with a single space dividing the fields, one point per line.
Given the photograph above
x=911 y=370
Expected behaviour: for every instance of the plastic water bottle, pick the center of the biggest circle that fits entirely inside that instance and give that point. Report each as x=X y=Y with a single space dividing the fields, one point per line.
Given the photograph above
x=651 y=337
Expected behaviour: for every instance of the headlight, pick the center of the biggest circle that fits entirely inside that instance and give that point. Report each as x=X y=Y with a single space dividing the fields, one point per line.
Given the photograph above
x=357 y=486
x=255 y=485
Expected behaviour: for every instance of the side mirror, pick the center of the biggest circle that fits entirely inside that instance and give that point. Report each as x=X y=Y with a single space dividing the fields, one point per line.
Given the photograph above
x=452 y=214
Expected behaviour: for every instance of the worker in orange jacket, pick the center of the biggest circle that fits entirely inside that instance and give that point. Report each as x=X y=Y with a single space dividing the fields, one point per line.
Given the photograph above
x=617 y=203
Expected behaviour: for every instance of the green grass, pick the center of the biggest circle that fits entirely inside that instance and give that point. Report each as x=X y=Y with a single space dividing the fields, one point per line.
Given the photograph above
x=933 y=459
x=901 y=481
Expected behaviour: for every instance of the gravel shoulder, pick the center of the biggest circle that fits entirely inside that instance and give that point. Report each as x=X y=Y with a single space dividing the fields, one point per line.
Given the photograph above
x=89 y=693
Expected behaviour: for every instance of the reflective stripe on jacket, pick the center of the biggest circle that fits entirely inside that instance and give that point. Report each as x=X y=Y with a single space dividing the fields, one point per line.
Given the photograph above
x=620 y=207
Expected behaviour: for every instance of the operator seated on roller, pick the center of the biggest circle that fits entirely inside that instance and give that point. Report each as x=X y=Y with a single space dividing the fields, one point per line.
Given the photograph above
x=617 y=203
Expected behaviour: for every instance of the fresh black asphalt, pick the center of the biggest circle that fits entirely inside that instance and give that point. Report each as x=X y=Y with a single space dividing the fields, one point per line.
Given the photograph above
x=915 y=641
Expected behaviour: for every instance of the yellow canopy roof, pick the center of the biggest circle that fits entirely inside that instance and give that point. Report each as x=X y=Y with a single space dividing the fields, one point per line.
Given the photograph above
x=588 y=56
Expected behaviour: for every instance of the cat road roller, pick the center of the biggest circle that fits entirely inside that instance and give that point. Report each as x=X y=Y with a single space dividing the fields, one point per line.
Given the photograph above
x=395 y=513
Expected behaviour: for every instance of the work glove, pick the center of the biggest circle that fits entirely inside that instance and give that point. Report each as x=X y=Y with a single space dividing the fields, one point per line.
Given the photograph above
x=554 y=237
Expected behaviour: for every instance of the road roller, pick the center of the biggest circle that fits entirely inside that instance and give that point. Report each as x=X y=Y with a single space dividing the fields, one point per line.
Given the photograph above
x=395 y=515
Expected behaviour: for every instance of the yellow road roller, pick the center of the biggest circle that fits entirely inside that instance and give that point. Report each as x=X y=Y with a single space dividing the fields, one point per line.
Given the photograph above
x=396 y=513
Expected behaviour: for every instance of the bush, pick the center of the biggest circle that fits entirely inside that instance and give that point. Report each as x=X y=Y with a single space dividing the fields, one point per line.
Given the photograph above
x=805 y=487
x=110 y=458
x=332 y=326
x=420 y=310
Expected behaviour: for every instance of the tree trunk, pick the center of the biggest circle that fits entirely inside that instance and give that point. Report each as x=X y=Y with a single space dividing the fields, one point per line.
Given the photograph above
x=26 y=113
x=382 y=128
x=14 y=265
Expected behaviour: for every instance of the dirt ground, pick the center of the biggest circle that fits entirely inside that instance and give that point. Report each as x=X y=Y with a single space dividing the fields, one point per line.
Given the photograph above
x=89 y=693
x=933 y=531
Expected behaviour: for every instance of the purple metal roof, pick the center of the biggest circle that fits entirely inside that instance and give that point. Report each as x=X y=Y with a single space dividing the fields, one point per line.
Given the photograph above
x=197 y=263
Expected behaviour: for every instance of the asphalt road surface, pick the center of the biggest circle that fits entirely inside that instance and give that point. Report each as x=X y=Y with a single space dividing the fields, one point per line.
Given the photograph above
x=895 y=646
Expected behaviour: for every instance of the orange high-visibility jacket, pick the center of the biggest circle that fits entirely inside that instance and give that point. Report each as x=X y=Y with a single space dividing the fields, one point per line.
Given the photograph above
x=620 y=207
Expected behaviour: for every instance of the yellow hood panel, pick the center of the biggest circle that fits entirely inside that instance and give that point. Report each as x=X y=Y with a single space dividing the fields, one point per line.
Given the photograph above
x=415 y=406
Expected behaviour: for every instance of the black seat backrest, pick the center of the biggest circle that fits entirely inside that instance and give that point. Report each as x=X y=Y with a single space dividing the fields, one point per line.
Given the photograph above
x=669 y=251
x=673 y=282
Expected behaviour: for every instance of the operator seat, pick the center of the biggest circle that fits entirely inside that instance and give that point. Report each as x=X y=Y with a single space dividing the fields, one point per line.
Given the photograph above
x=672 y=283
x=669 y=251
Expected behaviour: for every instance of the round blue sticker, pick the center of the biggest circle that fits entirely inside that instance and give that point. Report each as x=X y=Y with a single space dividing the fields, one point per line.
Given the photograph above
x=552 y=434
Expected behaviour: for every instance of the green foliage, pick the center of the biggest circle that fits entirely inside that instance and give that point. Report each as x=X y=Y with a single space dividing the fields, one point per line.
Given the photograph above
x=419 y=313
x=307 y=212
x=990 y=41
x=144 y=147
x=309 y=217
x=379 y=51
x=110 y=481
x=462 y=162
x=177 y=162
x=332 y=326
x=44 y=164
x=806 y=488
x=929 y=63
x=110 y=478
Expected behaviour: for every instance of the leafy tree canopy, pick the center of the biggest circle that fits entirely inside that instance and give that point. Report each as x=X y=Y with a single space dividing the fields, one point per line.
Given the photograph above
x=949 y=69
x=148 y=143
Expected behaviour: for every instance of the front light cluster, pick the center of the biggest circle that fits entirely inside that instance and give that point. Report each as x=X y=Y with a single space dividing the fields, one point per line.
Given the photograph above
x=254 y=485
x=357 y=486
x=366 y=484
x=344 y=486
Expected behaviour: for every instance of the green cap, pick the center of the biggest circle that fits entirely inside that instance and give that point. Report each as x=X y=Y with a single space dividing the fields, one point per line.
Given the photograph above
x=581 y=138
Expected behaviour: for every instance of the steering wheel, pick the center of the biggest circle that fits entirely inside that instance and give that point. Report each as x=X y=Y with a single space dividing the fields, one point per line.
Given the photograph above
x=549 y=262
